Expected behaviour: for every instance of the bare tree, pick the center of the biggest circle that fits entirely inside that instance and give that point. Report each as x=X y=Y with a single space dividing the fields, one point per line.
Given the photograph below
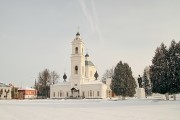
x=54 y=77
x=1 y=92
x=44 y=81
x=108 y=74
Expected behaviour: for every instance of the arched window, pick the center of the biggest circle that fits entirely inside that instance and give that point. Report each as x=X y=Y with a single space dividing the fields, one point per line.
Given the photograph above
x=82 y=51
x=97 y=93
x=76 y=50
x=76 y=69
x=90 y=93
x=60 y=94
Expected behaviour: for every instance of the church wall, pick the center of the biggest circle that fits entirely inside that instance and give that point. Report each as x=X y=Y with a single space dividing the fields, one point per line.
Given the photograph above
x=93 y=90
x=60 y=91
x=90 y=71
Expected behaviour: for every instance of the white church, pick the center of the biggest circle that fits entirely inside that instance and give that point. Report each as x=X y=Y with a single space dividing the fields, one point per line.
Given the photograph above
x=83 y=81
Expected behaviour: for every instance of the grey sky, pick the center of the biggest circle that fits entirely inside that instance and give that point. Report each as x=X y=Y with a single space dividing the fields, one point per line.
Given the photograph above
x=37 y=34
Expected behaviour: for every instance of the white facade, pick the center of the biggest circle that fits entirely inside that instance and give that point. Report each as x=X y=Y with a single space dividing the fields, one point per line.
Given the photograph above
x=5 y=91
x=82 y=83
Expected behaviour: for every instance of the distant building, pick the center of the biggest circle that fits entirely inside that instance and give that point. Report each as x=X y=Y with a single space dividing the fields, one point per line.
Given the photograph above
x=27 y=93
x=5 y=91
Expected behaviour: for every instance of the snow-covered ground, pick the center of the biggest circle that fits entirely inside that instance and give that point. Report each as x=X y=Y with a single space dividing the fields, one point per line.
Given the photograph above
x=89 y=110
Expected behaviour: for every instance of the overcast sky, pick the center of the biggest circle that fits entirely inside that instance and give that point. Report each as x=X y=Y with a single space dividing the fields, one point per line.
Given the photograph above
x=37 y=34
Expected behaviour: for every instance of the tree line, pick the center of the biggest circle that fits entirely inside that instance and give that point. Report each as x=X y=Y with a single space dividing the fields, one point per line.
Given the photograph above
x=163 y=76
x=165 y=69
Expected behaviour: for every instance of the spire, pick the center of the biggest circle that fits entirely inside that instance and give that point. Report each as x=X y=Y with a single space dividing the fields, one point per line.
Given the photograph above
x=78 y=34
x=87 y=55
x=35 y=84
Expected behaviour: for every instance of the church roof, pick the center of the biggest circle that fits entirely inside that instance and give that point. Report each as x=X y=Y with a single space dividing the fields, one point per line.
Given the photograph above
x=26 y=88
x=89 y=63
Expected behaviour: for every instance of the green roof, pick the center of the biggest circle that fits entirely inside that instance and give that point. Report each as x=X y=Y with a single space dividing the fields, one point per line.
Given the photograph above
x=89 y=63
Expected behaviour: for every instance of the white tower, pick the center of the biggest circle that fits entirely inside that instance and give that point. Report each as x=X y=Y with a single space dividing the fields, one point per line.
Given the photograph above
x=77 y=62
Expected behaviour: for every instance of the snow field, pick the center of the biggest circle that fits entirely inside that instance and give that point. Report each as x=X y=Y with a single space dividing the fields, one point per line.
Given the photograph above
x=89 y=110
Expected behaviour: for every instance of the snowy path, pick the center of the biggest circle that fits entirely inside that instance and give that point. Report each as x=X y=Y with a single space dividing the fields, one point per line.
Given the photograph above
x=89 y=110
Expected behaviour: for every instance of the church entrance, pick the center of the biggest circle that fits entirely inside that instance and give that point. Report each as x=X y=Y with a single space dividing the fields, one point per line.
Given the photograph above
x=75 y=92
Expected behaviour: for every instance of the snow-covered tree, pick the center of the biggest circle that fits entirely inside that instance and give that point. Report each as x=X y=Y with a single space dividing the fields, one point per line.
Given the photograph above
x=158 y=71
x=165 y=69
x=123 y=84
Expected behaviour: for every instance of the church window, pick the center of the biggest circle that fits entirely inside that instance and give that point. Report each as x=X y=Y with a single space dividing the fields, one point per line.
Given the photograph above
x=60 y=93
x=67 y=94
x=76 y=50
x=76 y=69
x=82 y=51
x=97 y=93
x=83 y=94
x=90 y=93
x=93 y=93
x=75 y=84
x=54 y=94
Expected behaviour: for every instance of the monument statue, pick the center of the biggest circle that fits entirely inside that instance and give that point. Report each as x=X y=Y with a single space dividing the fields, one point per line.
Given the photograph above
x=140 y=81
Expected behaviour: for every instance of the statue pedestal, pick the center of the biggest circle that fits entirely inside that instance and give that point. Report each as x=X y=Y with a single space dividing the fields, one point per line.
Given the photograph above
x=140 y=93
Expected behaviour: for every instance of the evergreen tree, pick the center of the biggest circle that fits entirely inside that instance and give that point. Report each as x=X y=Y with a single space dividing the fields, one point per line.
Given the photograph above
x=123 y=84
x=158 y=71
x=146 y=84
x=165 y=69
x=174 y=68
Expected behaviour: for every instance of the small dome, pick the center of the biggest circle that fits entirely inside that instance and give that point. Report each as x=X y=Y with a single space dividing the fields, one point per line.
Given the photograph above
x=96 y=75
x=64 y=77
x=77 y=34
x=86 y=55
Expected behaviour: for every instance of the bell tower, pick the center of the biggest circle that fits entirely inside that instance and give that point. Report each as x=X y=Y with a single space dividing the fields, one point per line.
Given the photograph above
x=77 y=62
